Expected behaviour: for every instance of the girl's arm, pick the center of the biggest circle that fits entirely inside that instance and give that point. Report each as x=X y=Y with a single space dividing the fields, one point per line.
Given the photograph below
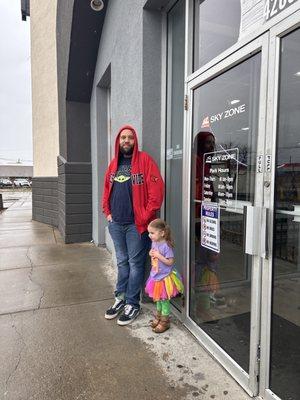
x=168 y=261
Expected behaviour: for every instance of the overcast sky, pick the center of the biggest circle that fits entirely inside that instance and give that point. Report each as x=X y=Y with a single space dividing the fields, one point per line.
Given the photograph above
x=15 y=84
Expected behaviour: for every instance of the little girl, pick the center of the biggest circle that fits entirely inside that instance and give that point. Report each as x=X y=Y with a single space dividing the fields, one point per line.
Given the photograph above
x=164 y=281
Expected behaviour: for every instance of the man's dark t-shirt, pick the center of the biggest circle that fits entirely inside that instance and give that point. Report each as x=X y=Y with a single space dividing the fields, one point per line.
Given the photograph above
x=121 y=194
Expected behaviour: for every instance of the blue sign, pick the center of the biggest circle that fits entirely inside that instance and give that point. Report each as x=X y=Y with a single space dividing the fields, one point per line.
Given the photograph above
x=210 y=226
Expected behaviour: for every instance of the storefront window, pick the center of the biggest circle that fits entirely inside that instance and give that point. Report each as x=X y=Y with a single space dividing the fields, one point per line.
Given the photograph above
x=174 y=140
x=221 y=24
x=285 y=333
x=217 y=25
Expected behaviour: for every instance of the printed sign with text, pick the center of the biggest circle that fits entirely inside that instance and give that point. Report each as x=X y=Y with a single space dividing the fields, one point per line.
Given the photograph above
x=210 y=226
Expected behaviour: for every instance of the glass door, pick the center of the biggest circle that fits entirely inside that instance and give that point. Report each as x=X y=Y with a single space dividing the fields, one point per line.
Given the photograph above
x=281 y=278
x=227 y=138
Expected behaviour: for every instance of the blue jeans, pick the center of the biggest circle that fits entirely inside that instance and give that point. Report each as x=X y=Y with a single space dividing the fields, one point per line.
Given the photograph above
x=131 y=251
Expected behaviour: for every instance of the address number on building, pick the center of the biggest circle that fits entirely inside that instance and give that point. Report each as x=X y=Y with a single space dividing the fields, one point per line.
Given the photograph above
x=274 y=7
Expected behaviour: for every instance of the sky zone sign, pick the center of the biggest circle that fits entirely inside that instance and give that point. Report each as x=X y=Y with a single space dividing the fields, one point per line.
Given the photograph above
x=231 y=112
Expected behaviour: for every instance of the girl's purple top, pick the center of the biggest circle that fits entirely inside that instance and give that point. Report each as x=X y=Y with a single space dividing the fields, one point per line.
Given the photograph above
x=163 y=270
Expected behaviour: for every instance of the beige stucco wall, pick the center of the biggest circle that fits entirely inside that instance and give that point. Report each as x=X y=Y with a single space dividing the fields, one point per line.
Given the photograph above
x=44 y=87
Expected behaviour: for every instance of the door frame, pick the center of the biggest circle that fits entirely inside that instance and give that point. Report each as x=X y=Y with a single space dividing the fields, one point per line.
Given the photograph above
x=249 y=381
x=283 y=28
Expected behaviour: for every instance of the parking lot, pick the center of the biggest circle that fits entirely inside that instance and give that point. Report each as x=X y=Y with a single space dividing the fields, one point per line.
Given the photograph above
x=11 y=195
x=8 y=183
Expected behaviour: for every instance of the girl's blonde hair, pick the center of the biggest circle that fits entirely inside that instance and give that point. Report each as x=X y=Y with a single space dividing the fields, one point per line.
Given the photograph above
x=161 y=225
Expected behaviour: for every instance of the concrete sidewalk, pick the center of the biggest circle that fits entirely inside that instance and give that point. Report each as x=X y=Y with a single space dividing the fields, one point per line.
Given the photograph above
x=55 y=343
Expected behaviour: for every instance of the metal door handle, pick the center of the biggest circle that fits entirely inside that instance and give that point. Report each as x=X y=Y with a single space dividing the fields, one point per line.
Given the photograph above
x=252 y=225
x=257 y=231
x=265 y=234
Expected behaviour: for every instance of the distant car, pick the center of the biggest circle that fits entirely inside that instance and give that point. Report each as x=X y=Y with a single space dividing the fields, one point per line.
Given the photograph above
x=4 y=182
x=21 y=182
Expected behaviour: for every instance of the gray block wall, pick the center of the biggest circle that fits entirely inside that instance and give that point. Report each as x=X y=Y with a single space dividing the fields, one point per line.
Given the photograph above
x=44 y=200
x=75 y=201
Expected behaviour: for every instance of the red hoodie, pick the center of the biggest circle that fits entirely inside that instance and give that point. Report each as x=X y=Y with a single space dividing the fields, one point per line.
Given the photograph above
x=147 y=184
x=199 y=146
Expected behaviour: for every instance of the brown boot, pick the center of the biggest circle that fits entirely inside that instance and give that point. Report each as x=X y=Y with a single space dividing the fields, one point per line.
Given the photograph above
x=156 y=320
x=163 y=325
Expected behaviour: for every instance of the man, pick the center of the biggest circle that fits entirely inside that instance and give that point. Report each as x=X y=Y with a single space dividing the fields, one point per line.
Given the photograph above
x=133 y=192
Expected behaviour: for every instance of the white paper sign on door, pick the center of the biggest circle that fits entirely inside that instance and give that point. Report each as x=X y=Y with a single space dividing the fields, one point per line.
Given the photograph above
x=268 y=163
x=259 y=164
x=210 y=226
x=220 y=176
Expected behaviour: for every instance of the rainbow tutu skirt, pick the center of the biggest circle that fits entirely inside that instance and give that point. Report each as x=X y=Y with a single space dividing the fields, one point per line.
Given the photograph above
x=165 y=289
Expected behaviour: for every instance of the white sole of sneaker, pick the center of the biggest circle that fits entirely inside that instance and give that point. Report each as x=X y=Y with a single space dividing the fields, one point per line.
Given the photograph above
x=123 y=323
x=108 y=316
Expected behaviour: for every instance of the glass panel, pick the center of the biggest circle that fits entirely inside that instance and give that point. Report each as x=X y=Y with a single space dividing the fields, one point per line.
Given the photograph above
x=215 y=31
x=220 y=24
x=174 y=141
x=285 y=330
x=225 y=123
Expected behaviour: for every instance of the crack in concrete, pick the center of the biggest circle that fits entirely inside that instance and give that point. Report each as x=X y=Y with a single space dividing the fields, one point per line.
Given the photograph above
x=54 y=235
x=19 y=356
x=29 y=259
x=31 y=266
x=41 y=298
x=33 y=282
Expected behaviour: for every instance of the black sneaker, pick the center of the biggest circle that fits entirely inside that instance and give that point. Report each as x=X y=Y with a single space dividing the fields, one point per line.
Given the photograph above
x=130 y=313
x=115 y=309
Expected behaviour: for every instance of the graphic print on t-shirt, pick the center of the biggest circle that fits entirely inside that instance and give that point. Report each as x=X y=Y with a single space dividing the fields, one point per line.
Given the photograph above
x=121 y=194
x=123 y=174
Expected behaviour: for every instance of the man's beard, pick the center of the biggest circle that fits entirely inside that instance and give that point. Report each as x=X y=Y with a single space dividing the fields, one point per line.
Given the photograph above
x=126 y=152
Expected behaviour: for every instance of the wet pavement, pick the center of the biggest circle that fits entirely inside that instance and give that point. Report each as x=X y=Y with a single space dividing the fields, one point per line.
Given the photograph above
x=55 y=343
